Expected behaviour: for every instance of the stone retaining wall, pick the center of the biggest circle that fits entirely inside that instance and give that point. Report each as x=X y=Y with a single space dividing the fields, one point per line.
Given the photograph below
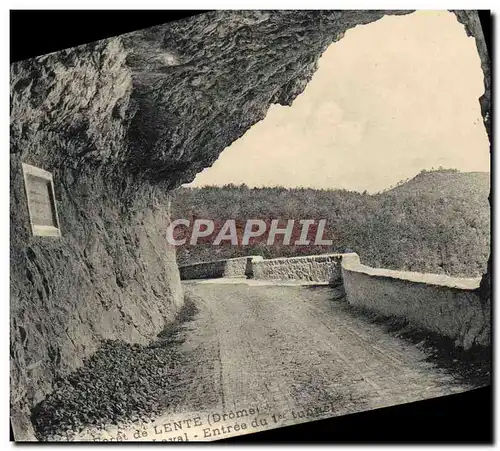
x=312 y=268
x=232 y=267
x=446 y=305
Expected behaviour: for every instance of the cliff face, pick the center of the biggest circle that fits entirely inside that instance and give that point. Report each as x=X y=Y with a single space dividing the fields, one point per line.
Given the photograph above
x=201 y=84
x=162 y=103
x=472 y=25
x=119 y=123
x=111 y=275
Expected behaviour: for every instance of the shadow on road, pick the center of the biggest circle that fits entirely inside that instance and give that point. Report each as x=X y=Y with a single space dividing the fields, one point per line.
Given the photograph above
x=472 y=366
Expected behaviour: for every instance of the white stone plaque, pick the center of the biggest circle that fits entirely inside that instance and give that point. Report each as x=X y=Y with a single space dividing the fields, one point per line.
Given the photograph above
x=41 y=201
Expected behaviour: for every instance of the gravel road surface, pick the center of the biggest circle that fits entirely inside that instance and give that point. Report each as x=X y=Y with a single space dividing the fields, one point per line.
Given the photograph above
x=263 y=356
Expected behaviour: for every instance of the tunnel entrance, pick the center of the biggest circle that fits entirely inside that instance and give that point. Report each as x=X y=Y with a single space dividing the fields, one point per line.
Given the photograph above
x=383 y=140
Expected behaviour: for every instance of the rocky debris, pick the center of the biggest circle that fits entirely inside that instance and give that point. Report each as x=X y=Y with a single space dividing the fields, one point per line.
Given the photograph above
x=121 y=382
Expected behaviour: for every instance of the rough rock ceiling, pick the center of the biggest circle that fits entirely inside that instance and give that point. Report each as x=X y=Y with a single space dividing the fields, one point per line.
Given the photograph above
x=162 y=103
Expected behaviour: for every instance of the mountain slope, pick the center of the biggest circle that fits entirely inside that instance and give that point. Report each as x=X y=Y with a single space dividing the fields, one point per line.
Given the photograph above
x=445 y=183
x=438 y=222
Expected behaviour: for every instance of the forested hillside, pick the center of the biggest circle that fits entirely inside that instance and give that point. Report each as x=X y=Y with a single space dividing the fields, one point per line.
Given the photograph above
x=438 y=222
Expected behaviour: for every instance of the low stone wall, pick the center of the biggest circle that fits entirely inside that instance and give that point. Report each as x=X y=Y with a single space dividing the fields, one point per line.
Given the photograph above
x=311 y=268
x=232 y=267
x=448 y=306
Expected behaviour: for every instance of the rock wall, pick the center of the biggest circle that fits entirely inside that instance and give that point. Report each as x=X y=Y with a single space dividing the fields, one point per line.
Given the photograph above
x=451 y=307
x=110 y=275
x=221 y=70
x=473 y=28
x=232 y=267
x=312 y=268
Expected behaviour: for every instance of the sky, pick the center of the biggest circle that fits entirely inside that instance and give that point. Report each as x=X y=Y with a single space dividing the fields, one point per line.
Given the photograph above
x=389 y=99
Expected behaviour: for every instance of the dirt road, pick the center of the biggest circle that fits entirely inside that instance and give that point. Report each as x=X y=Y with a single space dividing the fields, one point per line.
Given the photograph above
x=277 y=355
